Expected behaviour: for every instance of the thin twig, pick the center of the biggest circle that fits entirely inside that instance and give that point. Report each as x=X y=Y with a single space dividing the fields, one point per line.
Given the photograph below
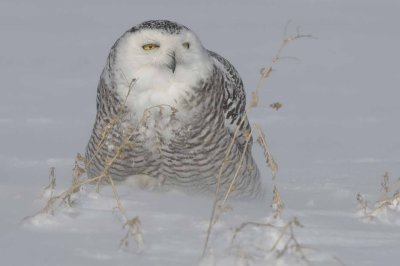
x=265 y=72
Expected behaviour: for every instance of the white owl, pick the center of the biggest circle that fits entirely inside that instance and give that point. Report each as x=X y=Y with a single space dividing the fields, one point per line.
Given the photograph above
x=174 y=107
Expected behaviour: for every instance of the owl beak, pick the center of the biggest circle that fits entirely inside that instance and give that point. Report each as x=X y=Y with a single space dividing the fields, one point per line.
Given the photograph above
x=172 y=64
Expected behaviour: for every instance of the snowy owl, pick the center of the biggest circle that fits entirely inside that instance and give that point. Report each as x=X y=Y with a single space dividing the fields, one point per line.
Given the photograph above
x=168 y=109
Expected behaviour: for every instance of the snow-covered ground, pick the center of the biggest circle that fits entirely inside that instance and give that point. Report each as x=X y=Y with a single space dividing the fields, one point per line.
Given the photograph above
x=335 y=136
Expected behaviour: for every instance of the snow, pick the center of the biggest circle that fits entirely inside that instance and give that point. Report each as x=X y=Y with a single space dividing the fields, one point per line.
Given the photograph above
x=335 y=136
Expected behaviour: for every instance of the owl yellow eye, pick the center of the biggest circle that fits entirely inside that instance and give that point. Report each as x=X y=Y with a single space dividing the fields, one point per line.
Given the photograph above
x=186 y=45
x=150 y=46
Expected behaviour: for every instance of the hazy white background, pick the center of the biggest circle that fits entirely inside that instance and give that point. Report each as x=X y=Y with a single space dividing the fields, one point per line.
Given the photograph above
x=336 y=134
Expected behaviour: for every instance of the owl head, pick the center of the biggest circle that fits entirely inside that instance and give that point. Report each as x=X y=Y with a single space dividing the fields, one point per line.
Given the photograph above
x=166 y=60
x=161 y=49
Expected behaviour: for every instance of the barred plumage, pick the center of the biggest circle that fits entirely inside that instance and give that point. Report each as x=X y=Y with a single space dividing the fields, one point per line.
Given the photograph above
x=175 y=111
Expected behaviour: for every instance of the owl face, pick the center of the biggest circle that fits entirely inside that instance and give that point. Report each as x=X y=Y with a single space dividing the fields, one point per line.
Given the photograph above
x=148 y=53
x=166 y=59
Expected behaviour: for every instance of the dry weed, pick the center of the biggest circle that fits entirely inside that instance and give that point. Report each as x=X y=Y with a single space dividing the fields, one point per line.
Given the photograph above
x=66 y=196
x=386 y=201
x=276 y=105
x=284 y=241
x=81 y=163
x=133 y=232
x=264 y=74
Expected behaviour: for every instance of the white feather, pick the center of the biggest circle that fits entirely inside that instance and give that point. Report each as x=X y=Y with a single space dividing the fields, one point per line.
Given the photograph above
x=155 y=83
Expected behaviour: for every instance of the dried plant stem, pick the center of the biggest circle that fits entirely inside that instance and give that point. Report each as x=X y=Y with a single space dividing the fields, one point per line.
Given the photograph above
x=269 y=159
x=73 y=188
x=218 y=185
x=65 y=196
x=117 y=198
x=254 y=103
x=384 y=202
x=266 y=72
x=286 y=238
x=132 y=224
x=246 y=224
x=114 y=121
x=230 y=189
x=284 y=230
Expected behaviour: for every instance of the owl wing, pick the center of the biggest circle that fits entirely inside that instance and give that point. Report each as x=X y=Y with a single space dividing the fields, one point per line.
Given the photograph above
x=234 y=100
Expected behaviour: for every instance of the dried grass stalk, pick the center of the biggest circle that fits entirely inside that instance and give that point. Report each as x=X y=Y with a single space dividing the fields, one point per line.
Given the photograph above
x=264 y=74
x=65 y=197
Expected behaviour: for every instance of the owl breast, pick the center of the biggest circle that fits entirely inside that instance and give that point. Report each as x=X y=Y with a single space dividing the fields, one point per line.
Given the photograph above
x=154 y=86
